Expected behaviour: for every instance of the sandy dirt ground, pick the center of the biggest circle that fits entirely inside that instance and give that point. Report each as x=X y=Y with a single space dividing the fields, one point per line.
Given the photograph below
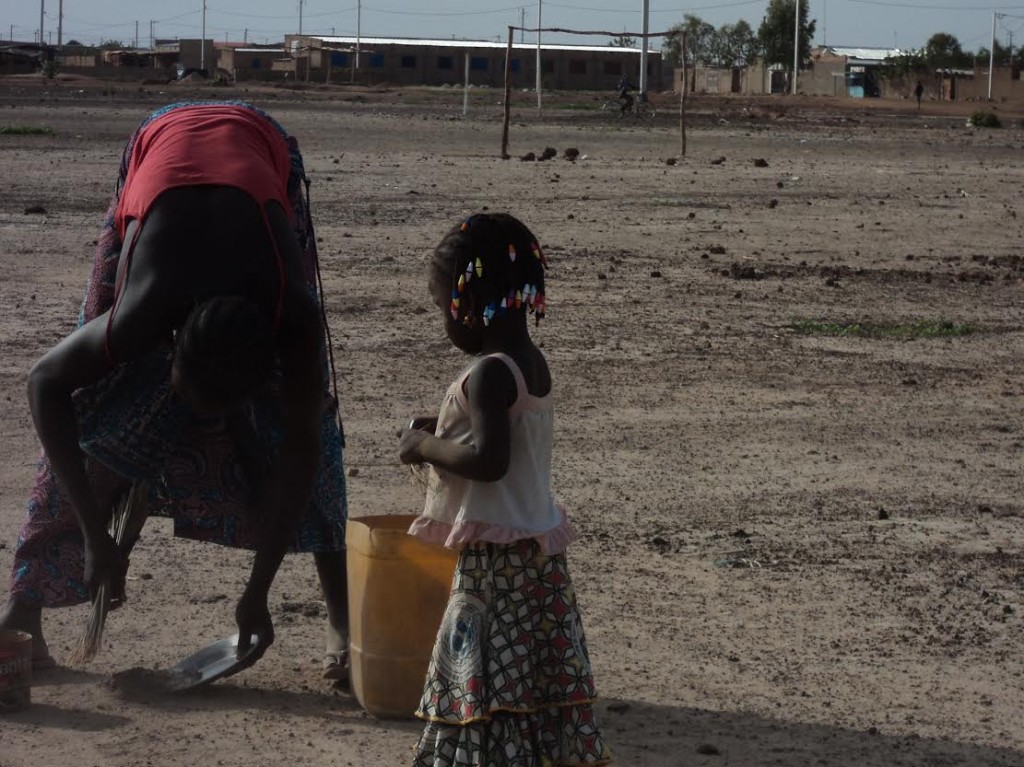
x=796 y=548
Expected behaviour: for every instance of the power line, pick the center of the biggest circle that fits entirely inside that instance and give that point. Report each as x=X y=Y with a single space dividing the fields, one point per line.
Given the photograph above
x=97 y=24
x=210 y=11
x=441 y=13
x=925 y=7
x=632 y=12
x=127 y=23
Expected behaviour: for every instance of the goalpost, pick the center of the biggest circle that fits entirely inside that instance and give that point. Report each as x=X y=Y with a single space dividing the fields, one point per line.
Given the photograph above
x=642 y=35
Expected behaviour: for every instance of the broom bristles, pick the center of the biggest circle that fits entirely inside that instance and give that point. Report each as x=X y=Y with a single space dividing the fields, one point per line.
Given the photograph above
x=126 y=523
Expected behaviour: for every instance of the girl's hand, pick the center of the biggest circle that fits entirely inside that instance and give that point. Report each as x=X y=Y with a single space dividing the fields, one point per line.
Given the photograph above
x=409 y=445
x=424 y=423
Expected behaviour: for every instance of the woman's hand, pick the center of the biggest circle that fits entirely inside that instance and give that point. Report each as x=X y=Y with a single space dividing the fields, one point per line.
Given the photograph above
x=105 y=563
x=253 y=618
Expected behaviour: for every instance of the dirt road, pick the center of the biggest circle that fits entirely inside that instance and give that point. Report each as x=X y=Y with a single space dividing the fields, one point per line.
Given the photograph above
x=790 y=403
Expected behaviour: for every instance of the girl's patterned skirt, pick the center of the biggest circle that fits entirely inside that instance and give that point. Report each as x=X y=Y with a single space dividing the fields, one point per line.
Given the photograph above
x=509 y=683
x=132 y=427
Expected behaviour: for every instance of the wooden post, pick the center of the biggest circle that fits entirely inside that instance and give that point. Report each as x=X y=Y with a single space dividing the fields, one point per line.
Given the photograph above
x=682 y=103
x=508 y=95
x=465 y=87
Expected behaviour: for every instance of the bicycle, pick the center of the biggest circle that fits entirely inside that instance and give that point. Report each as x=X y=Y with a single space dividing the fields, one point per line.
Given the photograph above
x=640 y=111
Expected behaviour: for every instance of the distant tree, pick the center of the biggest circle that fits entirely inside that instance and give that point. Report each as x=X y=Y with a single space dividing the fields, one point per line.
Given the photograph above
x=672 y=48
x=50 y=67
x=943 y=51
x=734 y=45
x=904 y=66
x=699 y=35
x=776 y=33
x=73 y=42
x=112 y=45
x=1003 y=56
x=623 y=41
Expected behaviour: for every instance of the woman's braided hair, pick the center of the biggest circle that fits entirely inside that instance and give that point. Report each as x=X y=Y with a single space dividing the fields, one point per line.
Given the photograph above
x=226 y=347
x=493 y=265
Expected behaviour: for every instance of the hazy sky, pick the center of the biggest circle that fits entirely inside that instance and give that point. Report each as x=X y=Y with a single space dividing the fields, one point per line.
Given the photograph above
x=875 y=23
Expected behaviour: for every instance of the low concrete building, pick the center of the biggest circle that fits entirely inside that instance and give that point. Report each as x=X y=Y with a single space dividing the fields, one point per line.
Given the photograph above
x=22 y=58
x=411 y=61
x=715 y=80
x=973 y=85
x=79 y=60
x=195 y=54
x=140 y=59
x=250 y=63
x=851 y=72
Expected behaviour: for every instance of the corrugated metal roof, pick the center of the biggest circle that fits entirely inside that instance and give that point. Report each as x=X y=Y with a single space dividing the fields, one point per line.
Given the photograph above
x=423 y=43
x=863 y=54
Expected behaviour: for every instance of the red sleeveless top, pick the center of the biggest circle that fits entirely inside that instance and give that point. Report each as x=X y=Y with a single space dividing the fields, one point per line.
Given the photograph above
x=205 y=144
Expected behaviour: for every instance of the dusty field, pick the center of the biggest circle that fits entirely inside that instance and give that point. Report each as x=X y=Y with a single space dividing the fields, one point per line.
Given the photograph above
x=796 y=548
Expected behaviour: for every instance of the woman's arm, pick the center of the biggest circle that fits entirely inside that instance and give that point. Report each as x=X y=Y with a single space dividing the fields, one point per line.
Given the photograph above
x=289 y=486
x=77 y=361
x=490 y=390
x=143 y=317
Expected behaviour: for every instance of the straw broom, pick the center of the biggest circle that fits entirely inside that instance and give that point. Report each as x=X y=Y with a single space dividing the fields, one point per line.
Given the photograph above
x=130 y=512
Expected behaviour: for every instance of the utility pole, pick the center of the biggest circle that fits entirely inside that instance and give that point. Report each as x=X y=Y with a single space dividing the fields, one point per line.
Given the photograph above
x=643 y=49
x=522 y=23
x=300 y=17
x=202 y=43
x=152 y=39
x=60 y=24
x=539 y=16
x=359 y=31
x=991 y=55
x=42 y=12
x=135 y=45
x=245 y=36
x=796 y=44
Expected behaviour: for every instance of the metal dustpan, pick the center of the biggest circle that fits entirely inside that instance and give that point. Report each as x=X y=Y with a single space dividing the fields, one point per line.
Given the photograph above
x=213 y=662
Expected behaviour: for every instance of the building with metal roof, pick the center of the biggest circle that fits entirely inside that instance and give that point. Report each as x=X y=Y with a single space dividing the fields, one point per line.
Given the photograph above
x=415 y=61
x=845 y=71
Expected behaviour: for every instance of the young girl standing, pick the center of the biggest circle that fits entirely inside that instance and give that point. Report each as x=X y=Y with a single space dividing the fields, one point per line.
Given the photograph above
x=509 y=683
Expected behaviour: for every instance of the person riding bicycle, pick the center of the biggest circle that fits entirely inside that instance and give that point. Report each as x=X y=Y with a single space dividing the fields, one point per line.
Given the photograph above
x=624 y=87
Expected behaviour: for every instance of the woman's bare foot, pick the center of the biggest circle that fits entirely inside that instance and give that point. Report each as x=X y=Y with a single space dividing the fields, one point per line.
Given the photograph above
x=21 y=617
x=330 y=567
x=336 y=667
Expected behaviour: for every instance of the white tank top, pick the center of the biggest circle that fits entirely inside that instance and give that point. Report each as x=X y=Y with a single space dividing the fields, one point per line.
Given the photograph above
x=522 y=499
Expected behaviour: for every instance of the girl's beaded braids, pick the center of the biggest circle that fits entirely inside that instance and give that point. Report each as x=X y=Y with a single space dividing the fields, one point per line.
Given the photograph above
x=494 y=266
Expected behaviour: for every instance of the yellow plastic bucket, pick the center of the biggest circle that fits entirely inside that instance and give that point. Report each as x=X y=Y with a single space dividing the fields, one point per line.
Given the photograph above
x=398 y=589
x=15 y=670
